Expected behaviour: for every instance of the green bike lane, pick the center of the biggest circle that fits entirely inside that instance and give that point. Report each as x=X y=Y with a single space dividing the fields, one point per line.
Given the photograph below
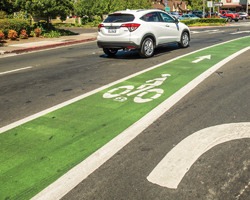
x=38 y=152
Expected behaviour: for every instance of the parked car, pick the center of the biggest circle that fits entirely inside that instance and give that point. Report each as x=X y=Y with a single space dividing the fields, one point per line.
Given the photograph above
x=207 y=15
x=224 y=17
x=243 y=15
x=230 y=15
x=198 y=14
x=142 y=30
x=175 y=14
x=188 y=16
x=73 y=16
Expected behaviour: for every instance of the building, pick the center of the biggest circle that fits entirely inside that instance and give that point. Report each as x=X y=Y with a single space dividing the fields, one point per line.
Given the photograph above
x=175 y=6
x=235 y=5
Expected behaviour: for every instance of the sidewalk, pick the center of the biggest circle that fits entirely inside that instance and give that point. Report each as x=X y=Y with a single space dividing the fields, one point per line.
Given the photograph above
x=32 y=44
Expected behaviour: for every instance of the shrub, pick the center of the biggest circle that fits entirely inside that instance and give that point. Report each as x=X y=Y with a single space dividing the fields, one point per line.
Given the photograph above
x=1 y=35
x=23 y=34
x=12 y=35
x=14 y=24
x=37 y=32
x=204 y=21
x=32 y=33
x=3 y=14
x=52 y=34
x=42 y=25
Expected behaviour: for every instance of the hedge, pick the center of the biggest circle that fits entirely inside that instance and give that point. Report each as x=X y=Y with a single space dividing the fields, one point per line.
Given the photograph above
x=14 y=24
x=190 y=22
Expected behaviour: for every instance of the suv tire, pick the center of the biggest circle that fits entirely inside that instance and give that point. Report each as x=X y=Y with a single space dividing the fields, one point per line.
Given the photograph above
x=110 y=51
x=147 y=48
x=184 y=40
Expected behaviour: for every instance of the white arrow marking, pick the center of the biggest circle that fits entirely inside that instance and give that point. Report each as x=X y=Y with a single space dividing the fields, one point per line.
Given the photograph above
x=202 y=58
x=173 y=167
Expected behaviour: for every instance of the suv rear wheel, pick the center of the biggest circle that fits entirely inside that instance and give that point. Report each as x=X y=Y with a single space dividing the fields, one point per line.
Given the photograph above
x=110 y=51
x=147 y=48
x=184 y=40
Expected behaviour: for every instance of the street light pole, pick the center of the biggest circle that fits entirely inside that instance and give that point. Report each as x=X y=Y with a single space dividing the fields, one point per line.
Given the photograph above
x=247 y=7
x=203 y=9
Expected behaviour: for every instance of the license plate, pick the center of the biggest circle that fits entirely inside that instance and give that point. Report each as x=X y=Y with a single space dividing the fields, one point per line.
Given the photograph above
x=112 y=30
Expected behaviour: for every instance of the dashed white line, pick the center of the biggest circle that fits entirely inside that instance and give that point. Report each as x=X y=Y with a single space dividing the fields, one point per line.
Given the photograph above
x=15 y=70
x=239 y=32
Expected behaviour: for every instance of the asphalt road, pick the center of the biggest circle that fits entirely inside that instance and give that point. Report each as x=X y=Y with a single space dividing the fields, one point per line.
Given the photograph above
x=221 y=173
x=61 y=74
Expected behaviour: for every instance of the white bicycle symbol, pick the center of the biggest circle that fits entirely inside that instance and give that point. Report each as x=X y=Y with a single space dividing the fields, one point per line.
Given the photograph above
x=141 y=91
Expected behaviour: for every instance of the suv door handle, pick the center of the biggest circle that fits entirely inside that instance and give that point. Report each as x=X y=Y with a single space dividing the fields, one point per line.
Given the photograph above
x=167 y=25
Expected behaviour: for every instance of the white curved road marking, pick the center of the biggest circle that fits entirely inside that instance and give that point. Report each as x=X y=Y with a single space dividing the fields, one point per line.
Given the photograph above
x=173 y=167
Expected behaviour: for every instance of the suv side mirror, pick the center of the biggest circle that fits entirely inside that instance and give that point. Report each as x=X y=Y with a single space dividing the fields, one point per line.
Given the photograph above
x=176 y=20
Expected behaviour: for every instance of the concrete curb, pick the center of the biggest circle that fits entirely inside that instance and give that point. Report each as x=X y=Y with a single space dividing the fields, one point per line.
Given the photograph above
x=17 y=51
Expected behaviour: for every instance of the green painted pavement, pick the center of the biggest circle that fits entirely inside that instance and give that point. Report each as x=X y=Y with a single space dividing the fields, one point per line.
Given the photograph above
x=35 y=154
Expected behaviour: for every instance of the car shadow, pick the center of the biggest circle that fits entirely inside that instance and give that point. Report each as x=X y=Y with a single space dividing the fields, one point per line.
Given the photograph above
x=131 y=55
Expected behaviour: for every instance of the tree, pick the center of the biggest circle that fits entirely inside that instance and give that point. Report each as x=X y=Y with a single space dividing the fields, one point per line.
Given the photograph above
x=198 y=4
x=46 y=8
x=7 y=6
x=101 y=7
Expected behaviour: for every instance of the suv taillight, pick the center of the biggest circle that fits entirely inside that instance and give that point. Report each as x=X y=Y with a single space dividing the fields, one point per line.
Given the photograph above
x=131 y=27
x=100 y=26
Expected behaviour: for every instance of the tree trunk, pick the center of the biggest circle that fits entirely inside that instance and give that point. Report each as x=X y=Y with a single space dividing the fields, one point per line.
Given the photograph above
x=48 y=22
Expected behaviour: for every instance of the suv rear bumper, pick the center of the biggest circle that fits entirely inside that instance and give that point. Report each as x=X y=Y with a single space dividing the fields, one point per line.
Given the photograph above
x=117 y=45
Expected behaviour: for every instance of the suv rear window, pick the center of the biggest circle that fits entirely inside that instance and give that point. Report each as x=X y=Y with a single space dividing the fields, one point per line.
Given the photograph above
x=112 y=18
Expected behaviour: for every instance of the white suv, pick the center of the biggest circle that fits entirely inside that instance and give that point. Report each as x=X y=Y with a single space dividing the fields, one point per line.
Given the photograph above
x=142 y=30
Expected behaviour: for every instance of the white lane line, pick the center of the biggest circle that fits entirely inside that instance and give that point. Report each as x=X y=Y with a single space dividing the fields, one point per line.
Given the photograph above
x=15 y=70
x=216 y=32
x=239 y=32
x=173 y=167
x=80 y=172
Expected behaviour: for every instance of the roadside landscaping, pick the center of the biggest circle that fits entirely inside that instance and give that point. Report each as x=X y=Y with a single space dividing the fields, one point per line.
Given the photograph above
x=20 y=29
x=16 y=29
x=204 y=22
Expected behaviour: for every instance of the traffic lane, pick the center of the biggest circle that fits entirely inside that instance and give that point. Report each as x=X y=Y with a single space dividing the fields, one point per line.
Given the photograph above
x=216 y=34
x=60 y=74
x=220 y=173
x=86 y=49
